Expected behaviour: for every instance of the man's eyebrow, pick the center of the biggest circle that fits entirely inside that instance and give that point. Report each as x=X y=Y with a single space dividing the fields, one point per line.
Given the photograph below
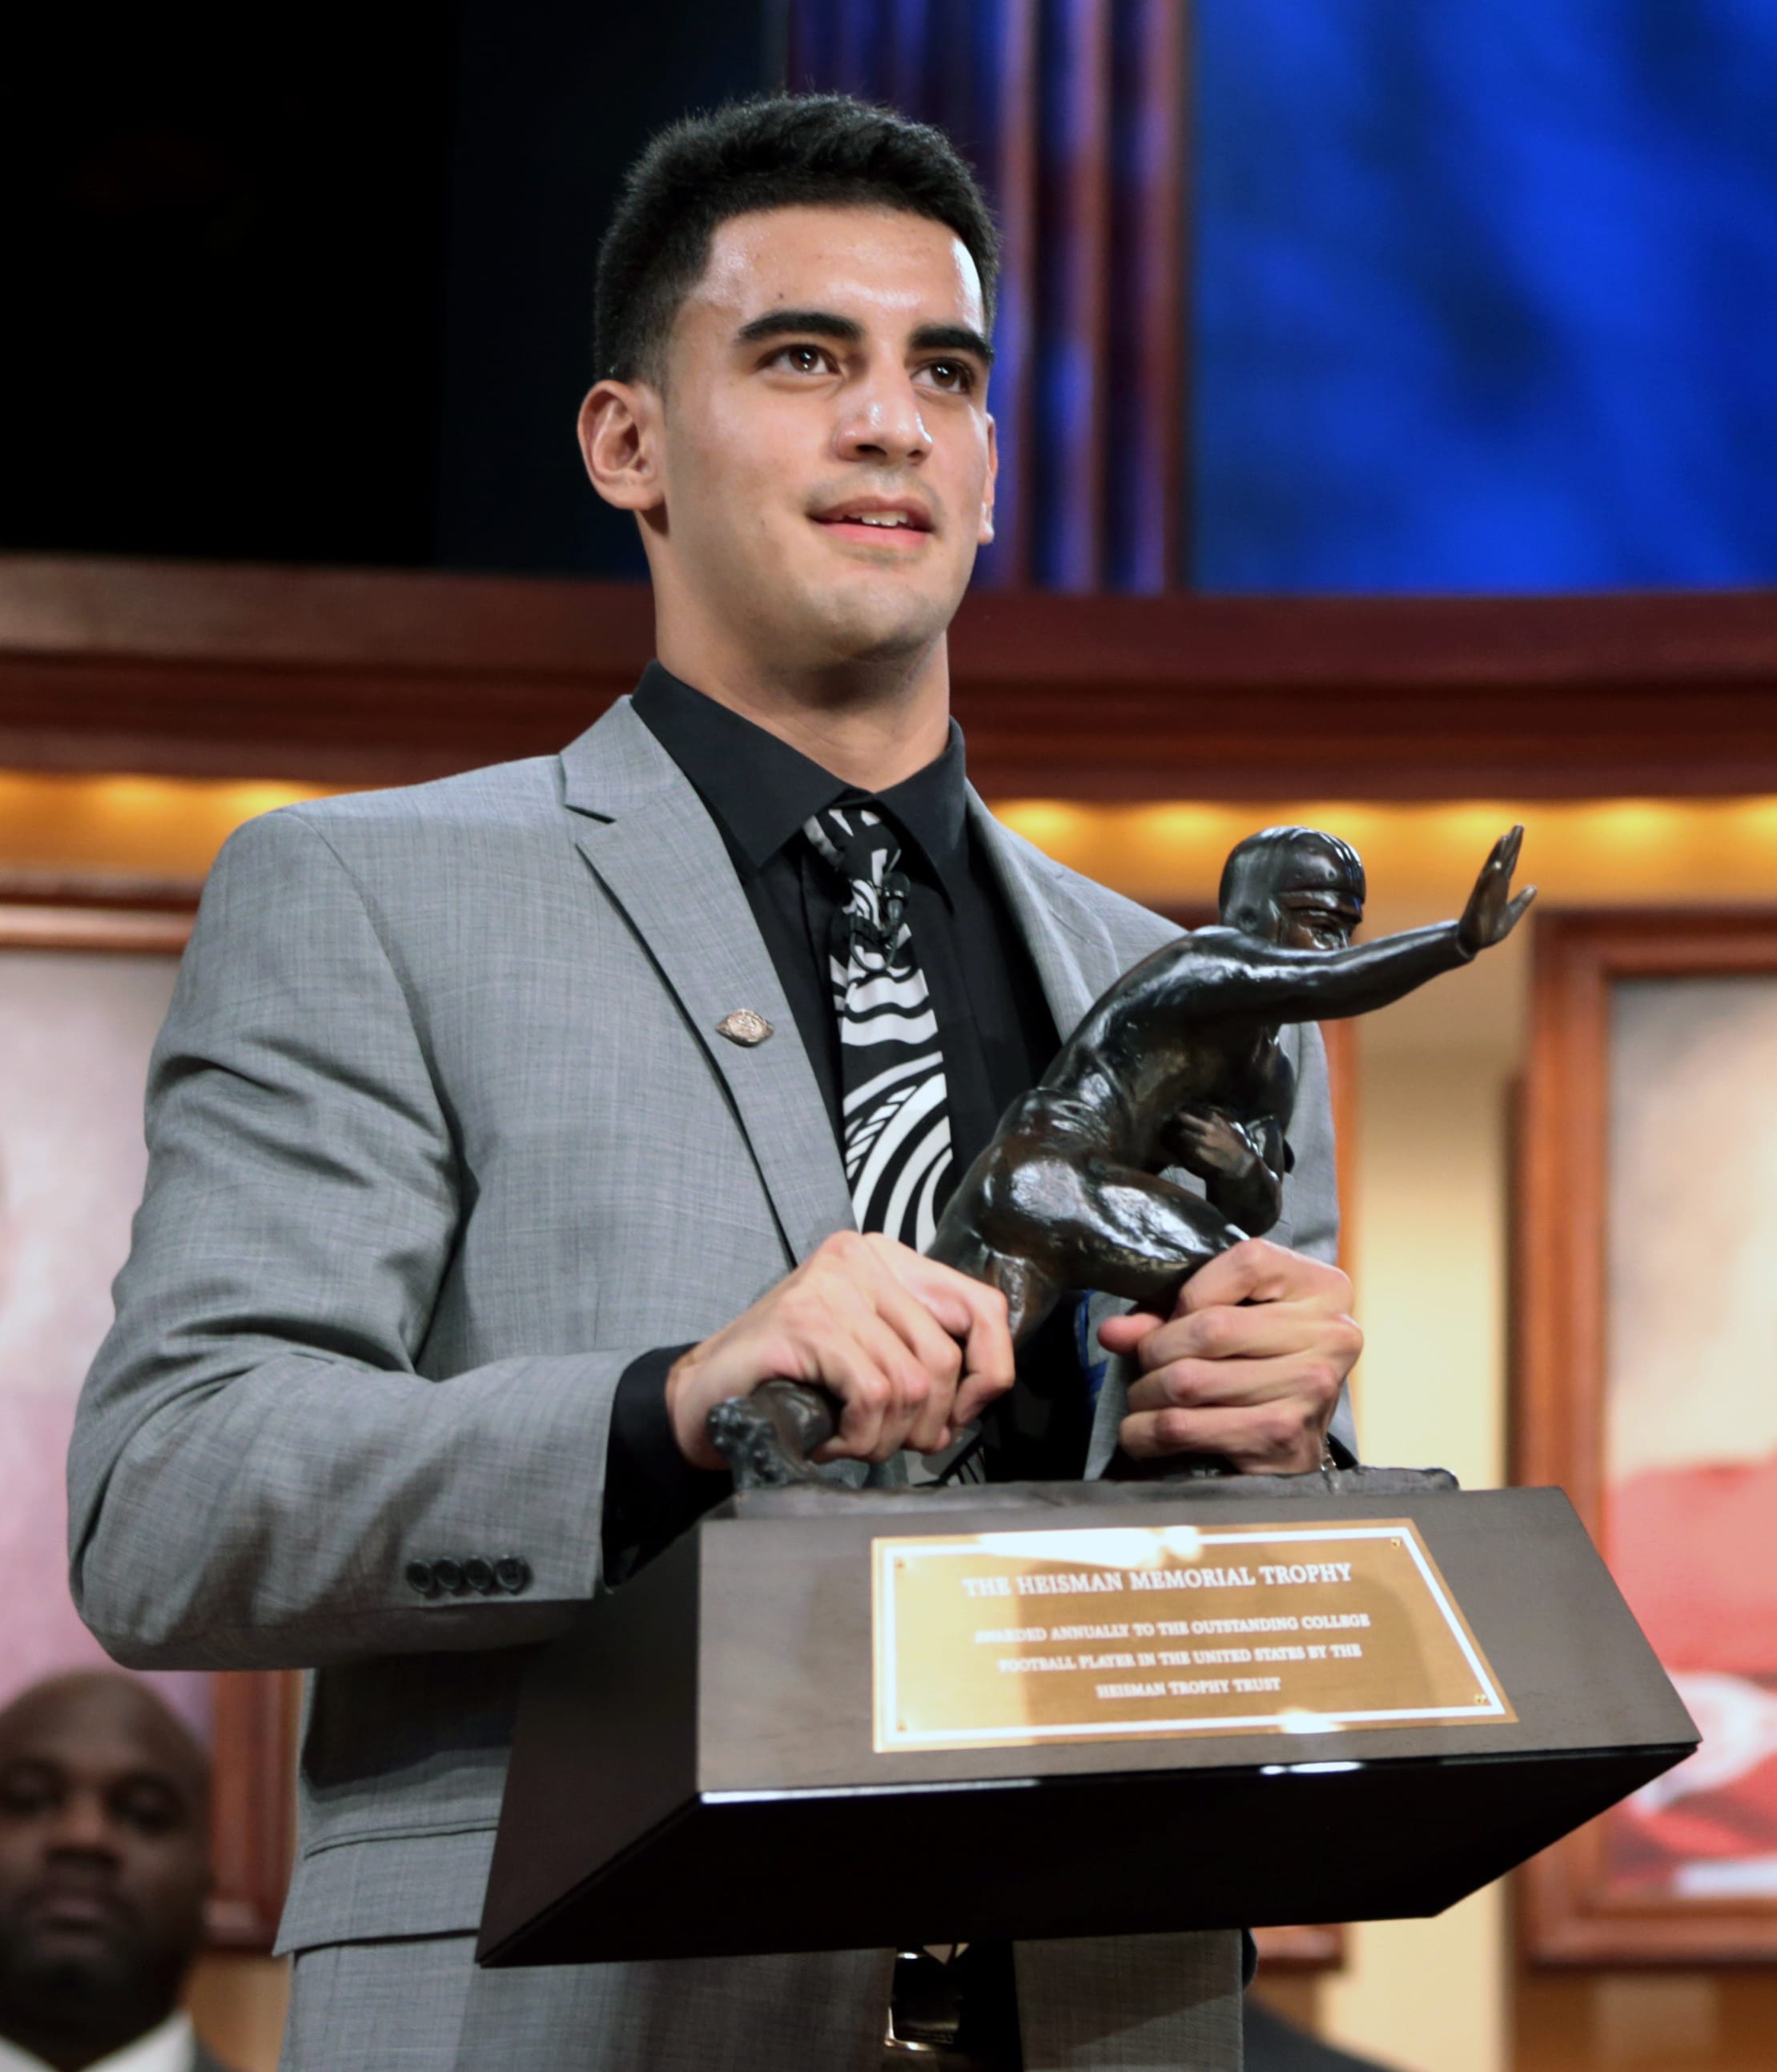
x=800 y=323
x=826 y=324
x=952 y=338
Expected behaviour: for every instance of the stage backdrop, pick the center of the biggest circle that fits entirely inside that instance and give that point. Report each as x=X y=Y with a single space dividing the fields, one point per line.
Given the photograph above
x=85 y=977
x=76 y=1027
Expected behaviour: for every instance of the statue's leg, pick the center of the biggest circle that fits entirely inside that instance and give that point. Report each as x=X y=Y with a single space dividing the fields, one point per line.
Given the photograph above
x=1113 y=1227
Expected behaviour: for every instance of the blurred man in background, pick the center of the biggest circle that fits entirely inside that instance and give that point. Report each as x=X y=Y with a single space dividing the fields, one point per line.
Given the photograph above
x=104 y=1799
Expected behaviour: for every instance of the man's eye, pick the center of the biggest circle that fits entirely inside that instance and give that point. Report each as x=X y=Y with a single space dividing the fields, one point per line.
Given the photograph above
x=956 y=375
x=147 y=1805
x=24 y=1793
x=804 y=359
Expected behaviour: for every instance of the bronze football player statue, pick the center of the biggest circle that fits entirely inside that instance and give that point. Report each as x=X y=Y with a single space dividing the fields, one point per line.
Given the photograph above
x=1178 y=1065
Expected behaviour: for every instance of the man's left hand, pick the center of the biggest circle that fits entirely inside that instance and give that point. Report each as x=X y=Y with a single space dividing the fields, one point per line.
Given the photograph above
x=1248 y=1366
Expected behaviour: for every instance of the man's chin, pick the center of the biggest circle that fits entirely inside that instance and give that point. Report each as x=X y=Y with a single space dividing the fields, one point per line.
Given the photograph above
x=883 y=623
x=60 y=1969
x=66 y=1968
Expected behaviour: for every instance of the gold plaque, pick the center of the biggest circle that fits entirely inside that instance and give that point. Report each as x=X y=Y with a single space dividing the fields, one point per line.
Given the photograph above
x=1004 y=1639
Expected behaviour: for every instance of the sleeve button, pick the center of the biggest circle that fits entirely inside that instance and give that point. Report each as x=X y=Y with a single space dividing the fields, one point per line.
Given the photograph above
x=420 y=1577
x=479 y=1575
x=448 y=1575
x=513 y=1573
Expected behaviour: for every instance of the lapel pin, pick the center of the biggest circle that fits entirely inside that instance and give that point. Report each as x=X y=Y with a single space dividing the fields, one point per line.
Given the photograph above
x=744 y=1027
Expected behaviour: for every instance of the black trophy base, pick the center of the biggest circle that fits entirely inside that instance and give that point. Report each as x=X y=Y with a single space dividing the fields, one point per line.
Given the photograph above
x=694 y=1774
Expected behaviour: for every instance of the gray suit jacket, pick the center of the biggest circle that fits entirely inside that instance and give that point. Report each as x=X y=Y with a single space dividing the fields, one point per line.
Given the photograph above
x=441 y=1135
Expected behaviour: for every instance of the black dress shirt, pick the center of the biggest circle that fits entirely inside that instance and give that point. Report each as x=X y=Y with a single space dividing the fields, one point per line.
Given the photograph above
x=994 y=1028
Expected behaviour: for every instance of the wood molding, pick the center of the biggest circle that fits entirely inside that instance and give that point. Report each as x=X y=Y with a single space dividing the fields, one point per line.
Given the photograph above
x=1569 y=1912
x=125 y=892
x=253 y=1810
x=39 y=911
x=56 y=927
x=344 y=677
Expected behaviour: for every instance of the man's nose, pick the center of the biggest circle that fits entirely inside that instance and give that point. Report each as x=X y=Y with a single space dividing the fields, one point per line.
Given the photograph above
x=883 y=420
x=84 y=1828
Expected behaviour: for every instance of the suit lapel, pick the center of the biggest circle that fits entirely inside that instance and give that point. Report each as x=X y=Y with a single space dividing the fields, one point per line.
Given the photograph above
x=1073 y=953
x=653 y=846
x=648 y=837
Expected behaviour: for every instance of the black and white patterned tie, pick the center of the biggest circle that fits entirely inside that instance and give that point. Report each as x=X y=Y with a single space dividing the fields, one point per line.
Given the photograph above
x=896 y=1112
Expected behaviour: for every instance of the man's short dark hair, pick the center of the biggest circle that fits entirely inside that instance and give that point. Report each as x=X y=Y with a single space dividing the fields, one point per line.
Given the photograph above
x=775 y=151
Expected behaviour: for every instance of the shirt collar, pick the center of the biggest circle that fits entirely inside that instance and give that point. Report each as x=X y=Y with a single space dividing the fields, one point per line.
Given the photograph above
x=168 y=2047
x=762 y=790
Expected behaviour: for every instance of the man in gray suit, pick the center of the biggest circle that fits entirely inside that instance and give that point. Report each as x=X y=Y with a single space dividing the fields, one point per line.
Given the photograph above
x=502 y=1127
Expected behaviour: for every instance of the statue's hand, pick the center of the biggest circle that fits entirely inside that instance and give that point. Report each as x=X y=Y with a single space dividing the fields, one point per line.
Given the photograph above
x=1492 y=913
x=1210 y=1142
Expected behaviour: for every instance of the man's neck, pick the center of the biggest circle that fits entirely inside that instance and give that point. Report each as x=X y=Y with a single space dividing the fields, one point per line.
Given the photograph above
x=872 y=724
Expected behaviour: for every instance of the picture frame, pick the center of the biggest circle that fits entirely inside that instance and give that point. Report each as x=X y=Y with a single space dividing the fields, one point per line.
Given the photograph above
x=252 y=1716
x=1643 y=1122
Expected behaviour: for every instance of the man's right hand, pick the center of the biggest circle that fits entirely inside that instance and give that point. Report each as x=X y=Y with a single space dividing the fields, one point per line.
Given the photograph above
x=915 y=1351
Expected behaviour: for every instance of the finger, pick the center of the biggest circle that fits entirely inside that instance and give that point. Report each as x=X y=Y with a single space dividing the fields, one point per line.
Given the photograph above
x=881 y=1387
x=971 y=1312
x=1311 y=1378
x=863 y=1392
x=909 y=1386
x=1122 y=1333
x=868 y=1360
x=951 y=1296
x=1252 y=1331
x=1514 y=911
x=1513 y=842
x=936 y=1352
x=1257 y=1271
x=941 y=1357
x=923 y=1361
x=989 y=1363
x=1271 y=1439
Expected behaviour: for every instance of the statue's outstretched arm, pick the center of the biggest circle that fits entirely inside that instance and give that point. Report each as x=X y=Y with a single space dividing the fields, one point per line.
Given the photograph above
x=1326 y=985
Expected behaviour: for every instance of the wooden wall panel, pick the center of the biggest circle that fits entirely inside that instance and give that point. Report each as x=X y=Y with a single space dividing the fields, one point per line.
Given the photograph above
x=335 y=677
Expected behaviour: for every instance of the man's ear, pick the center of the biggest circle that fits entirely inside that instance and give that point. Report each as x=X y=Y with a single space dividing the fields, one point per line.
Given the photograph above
x=983 y=537
x=620 y=443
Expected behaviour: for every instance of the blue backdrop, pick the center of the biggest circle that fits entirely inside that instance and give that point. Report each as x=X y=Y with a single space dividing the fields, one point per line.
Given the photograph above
x=1486 y=296
x=1482 y=297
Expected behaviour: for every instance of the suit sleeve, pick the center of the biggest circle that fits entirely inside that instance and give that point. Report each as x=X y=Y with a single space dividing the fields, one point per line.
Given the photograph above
x=1311 y=1190
x=260 y=1475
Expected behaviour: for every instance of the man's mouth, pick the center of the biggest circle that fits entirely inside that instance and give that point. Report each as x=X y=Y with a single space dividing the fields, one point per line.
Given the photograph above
x=879 y=522
x=77 y=1908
